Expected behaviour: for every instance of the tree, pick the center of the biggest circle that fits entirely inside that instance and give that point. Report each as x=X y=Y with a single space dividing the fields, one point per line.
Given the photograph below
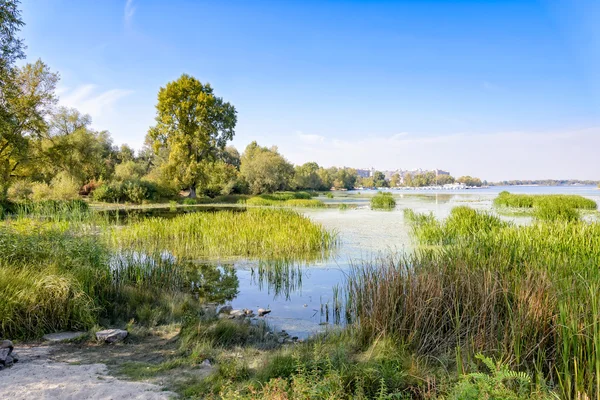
x=194 y=126
x=306 y=176
x=345 y=178
x=71 y=146
x=379 y=179
x=27 y=99
x=470 y=181
x=395 y=180
x=265 y=170
x=444 y=179
x=11 y=47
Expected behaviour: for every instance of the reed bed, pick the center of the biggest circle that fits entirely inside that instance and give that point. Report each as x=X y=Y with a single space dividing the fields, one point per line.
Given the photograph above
x=302 y=203
x=256 y=233
x=383 y=201
x=525 y=294
x=506 y=199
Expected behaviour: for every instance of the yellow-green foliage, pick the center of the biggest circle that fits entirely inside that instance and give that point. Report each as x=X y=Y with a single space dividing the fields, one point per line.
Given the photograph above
x=254 y=233
x=383 y=201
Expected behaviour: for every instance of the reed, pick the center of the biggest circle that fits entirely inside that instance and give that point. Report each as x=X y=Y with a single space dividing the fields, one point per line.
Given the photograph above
x=507 y=199
x=526 y=294
x=267 y=202
x=256 y=233
x=383 y=201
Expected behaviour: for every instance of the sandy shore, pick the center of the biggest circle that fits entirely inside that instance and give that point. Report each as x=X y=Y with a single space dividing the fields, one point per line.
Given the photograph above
x=37 y=376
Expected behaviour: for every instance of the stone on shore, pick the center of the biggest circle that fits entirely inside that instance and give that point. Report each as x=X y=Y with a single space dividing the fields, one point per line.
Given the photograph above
x=63 y=336
x=111 y=335
x=262 y=312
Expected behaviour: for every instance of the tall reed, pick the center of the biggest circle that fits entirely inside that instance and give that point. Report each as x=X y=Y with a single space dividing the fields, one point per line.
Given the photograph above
x=526 y=294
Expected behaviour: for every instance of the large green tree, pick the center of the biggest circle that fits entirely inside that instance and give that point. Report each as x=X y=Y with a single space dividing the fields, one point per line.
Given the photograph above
x=27 y=101
x=194 y=126
x=11 y=47
x=307 y=177
x=71 y=146
x=265 y=170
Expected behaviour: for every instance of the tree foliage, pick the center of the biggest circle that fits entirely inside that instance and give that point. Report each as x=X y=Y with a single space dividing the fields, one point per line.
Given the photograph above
x=265 y=170
x=194 y=126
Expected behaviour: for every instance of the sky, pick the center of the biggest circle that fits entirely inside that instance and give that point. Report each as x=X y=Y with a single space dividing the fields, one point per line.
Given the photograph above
x=495 y=89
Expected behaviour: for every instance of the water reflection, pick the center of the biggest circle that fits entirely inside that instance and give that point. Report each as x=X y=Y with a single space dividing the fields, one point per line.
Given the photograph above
x=207 y=282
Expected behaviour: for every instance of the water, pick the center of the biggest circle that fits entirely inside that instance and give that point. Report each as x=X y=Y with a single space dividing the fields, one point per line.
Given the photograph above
x=364 y=233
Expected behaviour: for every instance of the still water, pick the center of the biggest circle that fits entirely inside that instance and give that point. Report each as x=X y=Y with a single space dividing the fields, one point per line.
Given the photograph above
x=300 y=307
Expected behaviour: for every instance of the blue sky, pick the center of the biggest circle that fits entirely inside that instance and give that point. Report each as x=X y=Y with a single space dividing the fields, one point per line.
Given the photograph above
x=498 y=89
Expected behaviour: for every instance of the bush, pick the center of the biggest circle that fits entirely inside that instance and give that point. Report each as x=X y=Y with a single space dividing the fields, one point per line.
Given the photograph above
x=383 y=201
x=64 y=187
x=128 y=192
x=40 y=191
x=20 y=190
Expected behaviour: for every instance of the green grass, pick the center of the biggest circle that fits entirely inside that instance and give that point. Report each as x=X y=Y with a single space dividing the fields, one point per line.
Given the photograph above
x=256 y=233
x=506 y=199
x=59 y=272
x=525 y=294
x=283 y=200
x=383 y=201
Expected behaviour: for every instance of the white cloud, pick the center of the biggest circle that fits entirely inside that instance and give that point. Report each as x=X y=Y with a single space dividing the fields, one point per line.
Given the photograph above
x=88 y=100
x=499 y=156
x=129 y=12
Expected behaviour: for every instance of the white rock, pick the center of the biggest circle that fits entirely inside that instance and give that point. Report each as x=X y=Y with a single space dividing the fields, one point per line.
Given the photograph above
x=111 y=335
x=262 y=312
x=63 y=336
x=225 y=310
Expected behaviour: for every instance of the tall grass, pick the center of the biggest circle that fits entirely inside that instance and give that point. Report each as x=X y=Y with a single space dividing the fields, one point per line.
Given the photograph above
x=527 y=294
x=303 y=203
x=507 y=199
x=256 y=233
x=383 y=201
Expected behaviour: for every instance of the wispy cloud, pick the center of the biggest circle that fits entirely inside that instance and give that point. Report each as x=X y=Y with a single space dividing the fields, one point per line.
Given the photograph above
x=129 y=12
x=88 y=100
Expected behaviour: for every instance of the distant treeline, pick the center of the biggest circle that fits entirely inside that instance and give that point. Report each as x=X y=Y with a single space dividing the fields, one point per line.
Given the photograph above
x=546 y=182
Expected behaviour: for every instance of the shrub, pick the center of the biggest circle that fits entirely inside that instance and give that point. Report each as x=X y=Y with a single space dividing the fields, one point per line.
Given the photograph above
x=127 y=192
x=20 y=190
x=383 y=201
x=64 y=187
x=40 y=191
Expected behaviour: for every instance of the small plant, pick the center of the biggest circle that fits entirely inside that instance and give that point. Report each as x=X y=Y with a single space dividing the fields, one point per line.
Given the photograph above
x=501 y=383
x=329 y=195
x=383 y=201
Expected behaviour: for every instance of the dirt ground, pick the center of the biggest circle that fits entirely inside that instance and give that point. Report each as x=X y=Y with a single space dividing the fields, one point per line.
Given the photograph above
x=93 y=371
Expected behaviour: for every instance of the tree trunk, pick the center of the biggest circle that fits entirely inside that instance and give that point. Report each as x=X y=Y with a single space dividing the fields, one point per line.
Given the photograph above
x=192 y=194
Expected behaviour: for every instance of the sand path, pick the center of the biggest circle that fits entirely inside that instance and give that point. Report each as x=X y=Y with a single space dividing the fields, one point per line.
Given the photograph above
x=38 y=376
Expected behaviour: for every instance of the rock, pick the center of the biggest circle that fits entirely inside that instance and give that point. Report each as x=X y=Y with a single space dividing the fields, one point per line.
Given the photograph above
x=4 y=344
x=206 y=363
x=5 y=355
x=237 y=313
x=15 y=357
x=111 y=335
x=288 y=341
x=268 y=335
x=63 y=336
x=225 y=309
x=294 y=338
x=223 y=316
x=262 y=312
x=8 y=362
x=306 y=305
x=280 y=340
